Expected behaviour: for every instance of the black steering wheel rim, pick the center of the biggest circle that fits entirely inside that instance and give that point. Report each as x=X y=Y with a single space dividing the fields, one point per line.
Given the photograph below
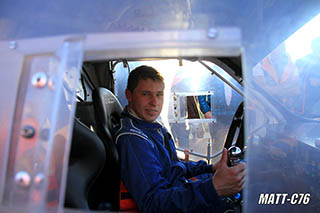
x=235 y=137
x=236 y=129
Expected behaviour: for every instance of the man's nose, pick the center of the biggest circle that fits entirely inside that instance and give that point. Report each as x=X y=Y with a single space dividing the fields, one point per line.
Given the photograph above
x=154 y=100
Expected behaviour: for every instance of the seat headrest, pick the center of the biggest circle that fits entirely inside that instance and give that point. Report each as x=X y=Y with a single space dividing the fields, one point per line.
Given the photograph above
x=107 y=107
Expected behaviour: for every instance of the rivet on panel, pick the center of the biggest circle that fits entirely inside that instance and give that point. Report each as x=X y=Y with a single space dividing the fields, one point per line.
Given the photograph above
x=38 y=179
x=28 y=131
x=212 y=33
x=39 y=80
x=23 y=179
x=12 y=44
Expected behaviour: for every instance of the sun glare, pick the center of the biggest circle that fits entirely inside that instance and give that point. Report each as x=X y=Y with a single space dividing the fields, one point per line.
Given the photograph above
x=299 y=44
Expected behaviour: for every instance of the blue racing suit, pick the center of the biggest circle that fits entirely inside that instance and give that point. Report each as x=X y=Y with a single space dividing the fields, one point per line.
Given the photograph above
x=157 y=180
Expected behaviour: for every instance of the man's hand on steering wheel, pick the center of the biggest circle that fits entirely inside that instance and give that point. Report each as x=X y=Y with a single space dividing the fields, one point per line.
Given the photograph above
x=228 y=180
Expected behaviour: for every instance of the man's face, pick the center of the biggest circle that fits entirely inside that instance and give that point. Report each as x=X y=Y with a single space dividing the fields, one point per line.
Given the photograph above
x=146 y=100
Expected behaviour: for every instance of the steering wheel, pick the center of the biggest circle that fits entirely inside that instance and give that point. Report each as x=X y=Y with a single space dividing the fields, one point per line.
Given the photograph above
x=235 y=136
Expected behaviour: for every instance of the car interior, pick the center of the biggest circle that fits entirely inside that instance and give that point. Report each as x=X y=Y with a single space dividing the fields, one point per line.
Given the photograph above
x=93 y=180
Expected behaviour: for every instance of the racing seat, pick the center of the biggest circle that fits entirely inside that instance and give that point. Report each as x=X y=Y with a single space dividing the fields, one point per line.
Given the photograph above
x=107 y=110
x=86 y=161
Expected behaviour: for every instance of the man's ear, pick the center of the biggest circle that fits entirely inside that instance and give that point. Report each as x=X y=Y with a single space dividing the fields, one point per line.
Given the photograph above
x=128 y=95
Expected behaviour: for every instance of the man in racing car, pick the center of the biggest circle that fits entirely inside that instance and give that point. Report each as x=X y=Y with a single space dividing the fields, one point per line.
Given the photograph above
x=150 y=168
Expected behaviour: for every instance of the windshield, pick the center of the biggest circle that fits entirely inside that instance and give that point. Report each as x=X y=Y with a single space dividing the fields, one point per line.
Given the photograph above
x=289 y=73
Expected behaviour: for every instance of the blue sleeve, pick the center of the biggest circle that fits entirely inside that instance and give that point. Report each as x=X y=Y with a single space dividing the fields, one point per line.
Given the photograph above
x=204 y=106
x=197 y=168
x=192 y=168
x=142 y=173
